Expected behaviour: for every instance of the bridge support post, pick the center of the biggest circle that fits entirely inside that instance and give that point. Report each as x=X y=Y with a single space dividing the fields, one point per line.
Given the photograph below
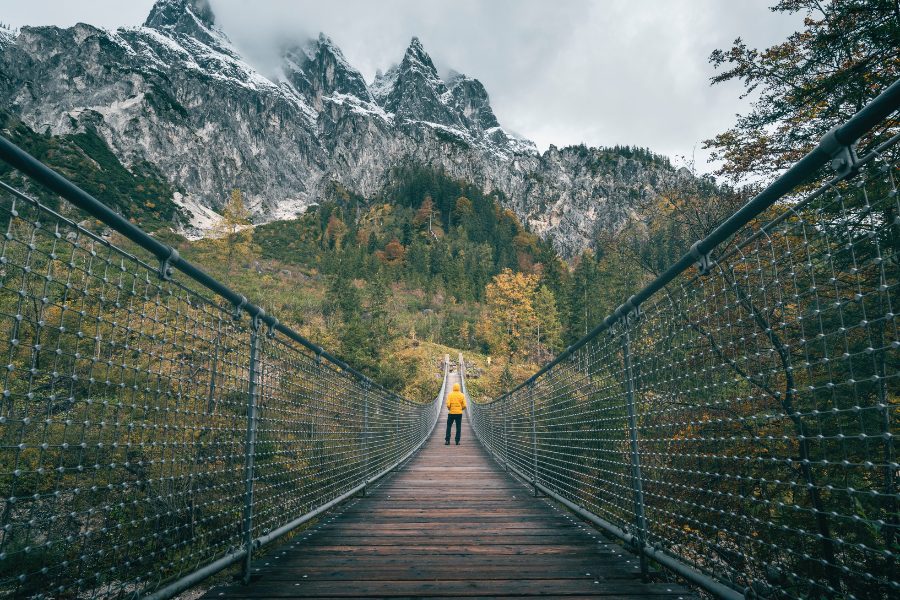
x=506 y=434
x=636 y=482
x=534 y=459
x=250 y=444
x=365 y=439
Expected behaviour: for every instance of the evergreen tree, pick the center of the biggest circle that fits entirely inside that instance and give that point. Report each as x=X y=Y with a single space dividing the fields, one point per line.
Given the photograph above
x=379 y=295
x=582 y=305
x=507 y=381
x=549 y=328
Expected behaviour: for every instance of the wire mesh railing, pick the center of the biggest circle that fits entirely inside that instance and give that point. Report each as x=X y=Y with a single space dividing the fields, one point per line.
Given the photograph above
x=155 y=427
x=737 y=424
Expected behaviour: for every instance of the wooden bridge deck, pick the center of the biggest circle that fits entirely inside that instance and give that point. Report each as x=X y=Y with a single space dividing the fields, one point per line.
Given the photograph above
x=451 y=523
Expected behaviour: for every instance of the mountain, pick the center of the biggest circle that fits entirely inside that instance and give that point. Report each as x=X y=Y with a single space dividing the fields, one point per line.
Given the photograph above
x=176 y=94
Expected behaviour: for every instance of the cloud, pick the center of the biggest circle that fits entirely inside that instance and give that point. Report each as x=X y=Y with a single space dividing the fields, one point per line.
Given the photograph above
x=564 y=72
x=601 y=73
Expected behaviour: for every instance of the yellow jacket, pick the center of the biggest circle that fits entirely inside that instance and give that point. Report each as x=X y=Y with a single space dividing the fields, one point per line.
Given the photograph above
x=456 y=401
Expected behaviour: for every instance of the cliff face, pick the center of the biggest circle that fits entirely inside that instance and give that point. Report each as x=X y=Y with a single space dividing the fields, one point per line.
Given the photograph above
x=177 y=94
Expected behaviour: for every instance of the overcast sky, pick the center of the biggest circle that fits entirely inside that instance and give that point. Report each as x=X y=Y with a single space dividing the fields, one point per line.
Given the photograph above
x=602 y=72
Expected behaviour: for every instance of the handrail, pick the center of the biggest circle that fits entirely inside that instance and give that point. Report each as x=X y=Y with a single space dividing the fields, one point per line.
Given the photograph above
x=736 y=425
x=159 y=436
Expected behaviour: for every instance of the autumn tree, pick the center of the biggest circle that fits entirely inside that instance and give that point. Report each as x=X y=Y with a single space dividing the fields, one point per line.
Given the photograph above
x=509 y=319
x=335 y=231
x=663 y=227
x=233 y=234
x=426 y=213
x=845 y=55
x=393 y=254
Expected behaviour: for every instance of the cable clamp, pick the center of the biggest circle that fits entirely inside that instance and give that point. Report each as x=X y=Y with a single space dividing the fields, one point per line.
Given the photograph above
x=704 y=262
x=273 y=323
x=844 y=160
x=165 y=264
x=236 y=313
x=257 y=319
x=633 y=312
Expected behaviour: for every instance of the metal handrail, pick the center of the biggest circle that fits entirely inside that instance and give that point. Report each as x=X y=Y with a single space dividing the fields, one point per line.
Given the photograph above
x=736 y=424
x=200 y=435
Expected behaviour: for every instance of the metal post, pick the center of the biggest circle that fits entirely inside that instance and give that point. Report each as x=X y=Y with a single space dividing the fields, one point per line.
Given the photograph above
x=365 y=438
x=250 y=446
x=534 y=475
x=506 y=434
x=637 y=487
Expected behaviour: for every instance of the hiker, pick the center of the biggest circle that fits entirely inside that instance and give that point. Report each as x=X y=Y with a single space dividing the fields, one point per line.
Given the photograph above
x=456 y=404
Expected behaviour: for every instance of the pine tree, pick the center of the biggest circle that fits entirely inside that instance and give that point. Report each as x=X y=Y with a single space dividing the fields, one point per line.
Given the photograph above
x=549 y=328
x=582 y=312
x=507 y=381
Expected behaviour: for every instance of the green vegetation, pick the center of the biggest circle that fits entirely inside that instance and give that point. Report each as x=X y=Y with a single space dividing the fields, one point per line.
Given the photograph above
x=844 y=56
x=139 y=191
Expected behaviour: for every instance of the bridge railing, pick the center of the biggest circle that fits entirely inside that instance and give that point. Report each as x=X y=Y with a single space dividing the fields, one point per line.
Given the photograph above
x=737 y=422
x=155 y=427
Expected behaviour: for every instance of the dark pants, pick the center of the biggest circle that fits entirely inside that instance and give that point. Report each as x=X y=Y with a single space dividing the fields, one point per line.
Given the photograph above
x=450 y=420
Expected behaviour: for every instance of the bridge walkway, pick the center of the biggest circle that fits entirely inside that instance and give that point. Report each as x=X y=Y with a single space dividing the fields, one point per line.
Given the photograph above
x=450 y=523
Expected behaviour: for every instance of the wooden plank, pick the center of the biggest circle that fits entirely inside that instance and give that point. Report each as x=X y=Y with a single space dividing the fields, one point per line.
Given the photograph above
x=270 y=588
x=409 y=572
x=451 y=523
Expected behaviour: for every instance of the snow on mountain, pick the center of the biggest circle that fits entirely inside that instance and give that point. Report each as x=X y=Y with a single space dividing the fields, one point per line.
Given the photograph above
x=175 y=92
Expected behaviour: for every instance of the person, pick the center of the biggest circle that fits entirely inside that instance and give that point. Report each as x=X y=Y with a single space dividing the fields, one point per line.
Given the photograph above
x=456 y=404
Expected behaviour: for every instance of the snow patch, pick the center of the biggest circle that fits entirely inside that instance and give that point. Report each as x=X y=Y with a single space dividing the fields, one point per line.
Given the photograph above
x=360 y=107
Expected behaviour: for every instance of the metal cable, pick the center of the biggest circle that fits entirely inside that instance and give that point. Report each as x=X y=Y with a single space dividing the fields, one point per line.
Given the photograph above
x=739 y=426
x=147 y=436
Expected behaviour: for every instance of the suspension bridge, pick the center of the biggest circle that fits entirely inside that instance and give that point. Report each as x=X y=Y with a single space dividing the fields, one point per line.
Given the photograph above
x=728 y=430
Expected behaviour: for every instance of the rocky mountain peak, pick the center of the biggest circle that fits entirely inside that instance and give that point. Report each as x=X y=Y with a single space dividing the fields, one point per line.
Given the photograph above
x=413 y=90
x=167 y=93
x=417 y=59
x=172 y=13
x=318 y=69
x=194 y=18
x=472 y=99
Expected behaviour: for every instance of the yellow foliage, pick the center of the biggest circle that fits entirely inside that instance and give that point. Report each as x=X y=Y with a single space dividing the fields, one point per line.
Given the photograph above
x=509 y=316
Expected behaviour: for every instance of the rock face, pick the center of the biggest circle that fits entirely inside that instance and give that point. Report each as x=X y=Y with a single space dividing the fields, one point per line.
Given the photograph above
x=176 y=93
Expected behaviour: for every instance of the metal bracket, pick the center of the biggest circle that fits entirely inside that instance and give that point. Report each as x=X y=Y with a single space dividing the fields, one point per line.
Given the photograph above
x=633 y=312
x=844 y=160
x=165 y=264
x=272 y=325
x=704 y=262
x=257 y=319
x=236 y=313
